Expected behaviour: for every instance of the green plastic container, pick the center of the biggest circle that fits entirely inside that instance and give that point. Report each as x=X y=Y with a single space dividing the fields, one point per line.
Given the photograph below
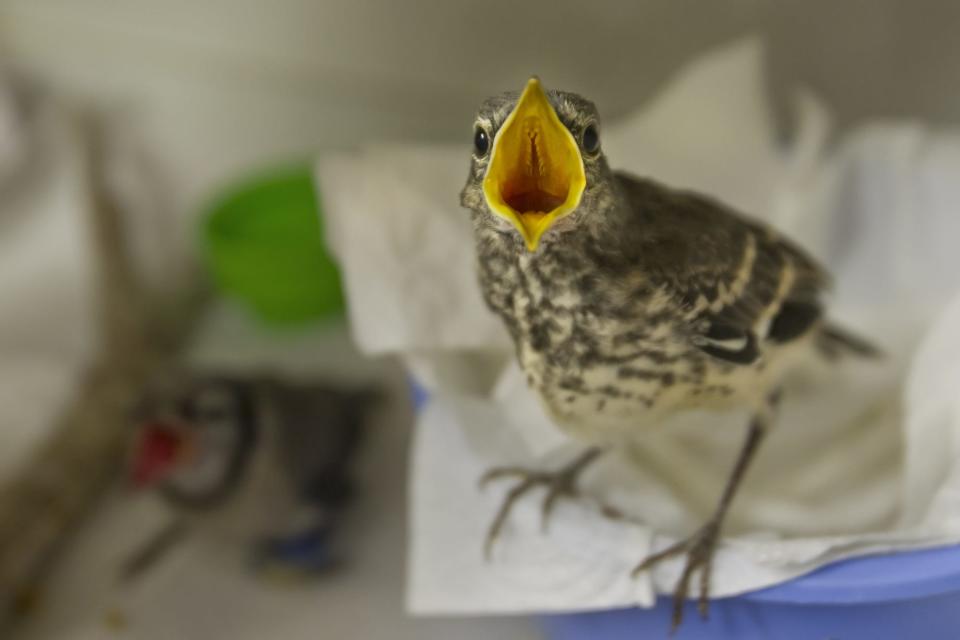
x=263 y=244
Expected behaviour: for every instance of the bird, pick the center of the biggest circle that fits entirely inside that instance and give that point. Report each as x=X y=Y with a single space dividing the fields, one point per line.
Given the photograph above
x=251 y=458
x=628 y=301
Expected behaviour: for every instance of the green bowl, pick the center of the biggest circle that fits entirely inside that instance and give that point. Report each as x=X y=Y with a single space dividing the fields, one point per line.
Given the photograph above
x=263 y=244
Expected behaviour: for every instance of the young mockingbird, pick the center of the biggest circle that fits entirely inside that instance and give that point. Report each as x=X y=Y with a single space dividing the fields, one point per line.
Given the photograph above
x=628 y=300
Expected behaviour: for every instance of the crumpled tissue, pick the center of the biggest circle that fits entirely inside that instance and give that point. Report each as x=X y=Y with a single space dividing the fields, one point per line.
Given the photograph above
x=864 y=456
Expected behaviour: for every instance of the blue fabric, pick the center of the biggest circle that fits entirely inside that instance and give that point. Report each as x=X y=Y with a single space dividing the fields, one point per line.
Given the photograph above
x=308 y=551
x=892 y=597
x=936 y=618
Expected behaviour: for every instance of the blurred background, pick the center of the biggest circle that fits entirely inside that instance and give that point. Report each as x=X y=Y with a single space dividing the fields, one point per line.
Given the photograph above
x=173 y=328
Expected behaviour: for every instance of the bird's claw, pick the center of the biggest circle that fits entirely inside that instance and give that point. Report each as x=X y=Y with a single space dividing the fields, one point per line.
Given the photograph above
x=699 y=549
x=557 y=485
x=561 y=483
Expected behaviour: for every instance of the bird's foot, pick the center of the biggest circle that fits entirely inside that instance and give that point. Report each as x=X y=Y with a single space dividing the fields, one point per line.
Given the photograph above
x=561 y=483
x=699 y=549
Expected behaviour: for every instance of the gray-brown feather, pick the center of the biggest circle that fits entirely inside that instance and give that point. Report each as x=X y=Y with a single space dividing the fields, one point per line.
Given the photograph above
x=732 y=275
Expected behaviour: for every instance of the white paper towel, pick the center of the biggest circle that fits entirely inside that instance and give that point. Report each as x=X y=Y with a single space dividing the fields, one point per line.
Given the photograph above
x=832 y=481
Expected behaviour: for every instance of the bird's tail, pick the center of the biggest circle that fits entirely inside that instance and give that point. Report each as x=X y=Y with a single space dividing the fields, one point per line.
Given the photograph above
x=835 y=342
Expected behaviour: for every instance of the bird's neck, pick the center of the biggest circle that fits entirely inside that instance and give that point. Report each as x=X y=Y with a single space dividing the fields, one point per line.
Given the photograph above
x=612 y=223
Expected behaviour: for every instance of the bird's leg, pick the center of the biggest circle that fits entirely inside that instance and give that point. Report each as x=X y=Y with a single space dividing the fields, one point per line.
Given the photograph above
x=701 y=546
x=559 y=483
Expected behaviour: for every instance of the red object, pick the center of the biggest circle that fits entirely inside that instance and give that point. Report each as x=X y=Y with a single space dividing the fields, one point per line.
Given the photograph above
x=156 y=454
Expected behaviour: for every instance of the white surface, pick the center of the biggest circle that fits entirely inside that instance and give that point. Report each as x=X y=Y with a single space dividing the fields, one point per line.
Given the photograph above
x=202 y=591
x=399 y=206
x=933 y=425
x=879 y=212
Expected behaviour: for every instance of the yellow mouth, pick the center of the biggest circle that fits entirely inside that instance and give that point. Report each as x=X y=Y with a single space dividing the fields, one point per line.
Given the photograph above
x=536 y=172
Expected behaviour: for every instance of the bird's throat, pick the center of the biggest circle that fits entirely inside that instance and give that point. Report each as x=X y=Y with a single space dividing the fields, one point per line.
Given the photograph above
x=536 y=173
x=534 y=186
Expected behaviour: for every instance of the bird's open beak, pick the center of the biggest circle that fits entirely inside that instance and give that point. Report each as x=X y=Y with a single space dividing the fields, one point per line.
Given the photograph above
x=536 y=175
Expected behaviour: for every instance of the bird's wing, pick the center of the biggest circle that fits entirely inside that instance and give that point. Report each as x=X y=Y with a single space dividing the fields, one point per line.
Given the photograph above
x=738 y=283
x=768 y=293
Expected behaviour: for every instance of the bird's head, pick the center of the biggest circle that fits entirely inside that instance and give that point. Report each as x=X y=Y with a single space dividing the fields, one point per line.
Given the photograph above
x=537 y=167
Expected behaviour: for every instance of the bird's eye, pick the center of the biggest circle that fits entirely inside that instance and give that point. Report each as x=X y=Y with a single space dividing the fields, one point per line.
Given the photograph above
x=591 y=139
x=481 y=141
